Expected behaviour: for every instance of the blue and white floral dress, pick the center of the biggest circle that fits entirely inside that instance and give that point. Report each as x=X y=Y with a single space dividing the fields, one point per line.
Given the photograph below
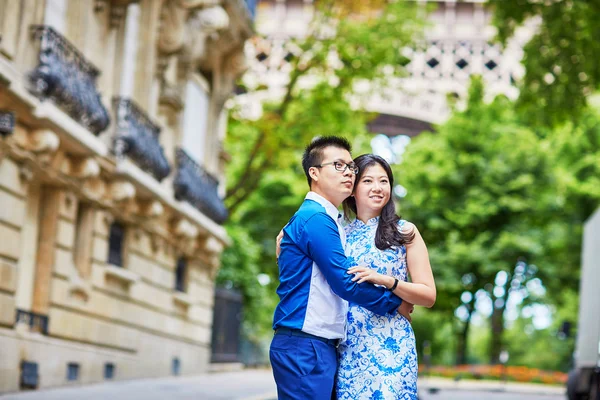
x=378 y=358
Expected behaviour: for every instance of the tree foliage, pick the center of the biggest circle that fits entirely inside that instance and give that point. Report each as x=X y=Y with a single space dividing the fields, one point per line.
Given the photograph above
x=342 y=48
x=478 y=187
x=560 y=60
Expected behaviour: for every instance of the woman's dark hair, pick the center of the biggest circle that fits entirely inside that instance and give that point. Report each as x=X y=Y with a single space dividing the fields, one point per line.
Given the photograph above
x=387 y=234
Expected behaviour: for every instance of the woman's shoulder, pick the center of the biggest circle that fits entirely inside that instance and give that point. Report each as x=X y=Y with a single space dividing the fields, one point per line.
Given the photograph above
x=406 y=226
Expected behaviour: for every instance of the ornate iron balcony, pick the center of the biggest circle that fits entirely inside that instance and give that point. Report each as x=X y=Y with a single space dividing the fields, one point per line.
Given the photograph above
x=35 y=321
x=137 y=137
x=251 y=6
x=7 y=122
x=67 y=78
x=196 y=186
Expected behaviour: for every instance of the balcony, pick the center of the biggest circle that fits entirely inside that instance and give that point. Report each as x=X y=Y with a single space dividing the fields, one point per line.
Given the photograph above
x=36 y=322
x=251 y=6
x=7 y=122
x=196 y=186
x=64 y=76
x=137 y=137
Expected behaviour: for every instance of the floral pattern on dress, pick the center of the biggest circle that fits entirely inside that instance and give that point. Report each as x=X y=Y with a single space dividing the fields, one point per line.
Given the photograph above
x=378 y=357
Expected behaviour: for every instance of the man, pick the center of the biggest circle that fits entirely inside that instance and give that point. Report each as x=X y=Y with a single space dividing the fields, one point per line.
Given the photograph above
x=314 y=287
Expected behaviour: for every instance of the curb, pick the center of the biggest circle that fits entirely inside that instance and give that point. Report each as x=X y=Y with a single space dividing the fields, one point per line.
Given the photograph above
x=434 y=384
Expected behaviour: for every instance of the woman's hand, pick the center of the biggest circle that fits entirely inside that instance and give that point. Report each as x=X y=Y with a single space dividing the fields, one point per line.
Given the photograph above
x=278 y=243
x=364 y=274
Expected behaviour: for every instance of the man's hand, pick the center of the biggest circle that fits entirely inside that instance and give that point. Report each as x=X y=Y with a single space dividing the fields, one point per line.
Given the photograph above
x=406 y=309
x=278 y=241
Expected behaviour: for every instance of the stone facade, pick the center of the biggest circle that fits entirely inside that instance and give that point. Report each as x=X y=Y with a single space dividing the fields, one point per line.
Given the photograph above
x=109 y=242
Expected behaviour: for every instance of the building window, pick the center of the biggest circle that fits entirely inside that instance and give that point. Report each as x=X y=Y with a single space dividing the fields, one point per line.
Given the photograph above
x=195 y=119
x=175 y=366
x=29 y=375
x=115 y=243
x=82 y=251
x=109 y=371
x=72 y=371
x=181 y=275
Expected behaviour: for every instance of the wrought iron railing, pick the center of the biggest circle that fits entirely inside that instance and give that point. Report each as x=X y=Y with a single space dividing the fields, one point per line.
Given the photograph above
x=67 y=78
x=251 y=6
x=35 y=321
x=196 y=186
x=7 y=122
x=227 y=321
x=137 y=137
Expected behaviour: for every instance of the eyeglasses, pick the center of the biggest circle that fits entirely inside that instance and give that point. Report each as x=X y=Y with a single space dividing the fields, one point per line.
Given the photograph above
x=340 y=166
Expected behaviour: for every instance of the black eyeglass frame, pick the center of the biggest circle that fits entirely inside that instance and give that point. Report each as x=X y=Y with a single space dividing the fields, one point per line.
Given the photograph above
x=338 y=164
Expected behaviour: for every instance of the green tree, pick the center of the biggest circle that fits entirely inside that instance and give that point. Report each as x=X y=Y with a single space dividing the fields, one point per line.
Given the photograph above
x=341 y=49
x=478 y=187
x=560 y=59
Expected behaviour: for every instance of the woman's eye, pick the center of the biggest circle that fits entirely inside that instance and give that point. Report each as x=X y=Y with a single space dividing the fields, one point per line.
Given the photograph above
x=366 y=181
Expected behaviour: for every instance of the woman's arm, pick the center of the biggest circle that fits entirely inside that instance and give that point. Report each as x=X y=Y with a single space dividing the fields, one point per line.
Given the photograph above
x=421 y=290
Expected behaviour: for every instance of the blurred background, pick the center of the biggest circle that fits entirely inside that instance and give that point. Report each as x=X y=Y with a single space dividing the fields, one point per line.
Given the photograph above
x=150 y=153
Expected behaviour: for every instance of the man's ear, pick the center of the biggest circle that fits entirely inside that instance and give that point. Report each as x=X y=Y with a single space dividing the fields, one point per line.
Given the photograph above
x=312 y=172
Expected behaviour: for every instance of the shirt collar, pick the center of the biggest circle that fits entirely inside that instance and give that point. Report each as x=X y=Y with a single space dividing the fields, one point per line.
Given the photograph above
x=331 y=210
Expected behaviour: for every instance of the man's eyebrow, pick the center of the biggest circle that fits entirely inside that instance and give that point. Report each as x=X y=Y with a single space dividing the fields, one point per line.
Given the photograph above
x=344 y=161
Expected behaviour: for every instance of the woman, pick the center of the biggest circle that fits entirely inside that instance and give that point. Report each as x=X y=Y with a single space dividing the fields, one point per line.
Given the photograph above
x=378 y=358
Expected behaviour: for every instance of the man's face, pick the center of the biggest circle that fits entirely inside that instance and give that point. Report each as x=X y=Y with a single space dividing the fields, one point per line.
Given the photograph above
x=330 y=183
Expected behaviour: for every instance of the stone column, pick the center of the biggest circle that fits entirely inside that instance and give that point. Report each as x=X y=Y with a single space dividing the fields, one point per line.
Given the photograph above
x=29 y=244
x=49 y=212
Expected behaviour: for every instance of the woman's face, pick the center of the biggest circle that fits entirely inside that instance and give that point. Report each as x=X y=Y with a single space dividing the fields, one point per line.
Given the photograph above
x=372 y=190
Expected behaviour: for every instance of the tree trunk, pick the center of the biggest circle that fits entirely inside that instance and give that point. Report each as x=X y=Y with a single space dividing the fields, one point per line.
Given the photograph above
x=461 y=348
x=496 y=342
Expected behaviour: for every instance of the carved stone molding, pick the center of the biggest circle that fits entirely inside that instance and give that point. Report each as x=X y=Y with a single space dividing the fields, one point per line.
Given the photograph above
x=26 y=174
x=173 y=19
x=117 y=10
x=121 y=191
x=151 y=209
x=38 y=141
x=186 y=229
x=213 y=246
x=95 y=188
x=185 y=26
x=82 y=168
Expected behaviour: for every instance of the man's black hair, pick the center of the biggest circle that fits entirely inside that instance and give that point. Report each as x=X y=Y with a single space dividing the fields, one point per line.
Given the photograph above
x=313 y=154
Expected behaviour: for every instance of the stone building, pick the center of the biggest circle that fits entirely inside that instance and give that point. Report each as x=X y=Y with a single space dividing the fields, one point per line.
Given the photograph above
x=111 y=165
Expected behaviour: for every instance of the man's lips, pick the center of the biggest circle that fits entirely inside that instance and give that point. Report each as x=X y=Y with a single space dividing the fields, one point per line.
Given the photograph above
x=347 y=183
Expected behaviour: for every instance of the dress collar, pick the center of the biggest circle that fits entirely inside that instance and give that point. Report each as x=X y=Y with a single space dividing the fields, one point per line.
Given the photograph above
x=331 y=210
x=371 y=222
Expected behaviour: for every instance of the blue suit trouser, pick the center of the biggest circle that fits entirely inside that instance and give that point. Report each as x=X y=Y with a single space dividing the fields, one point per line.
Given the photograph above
x=304 y=368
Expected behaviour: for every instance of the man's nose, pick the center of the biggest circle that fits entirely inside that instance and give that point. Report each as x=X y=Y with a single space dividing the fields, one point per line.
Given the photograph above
x=347 y=171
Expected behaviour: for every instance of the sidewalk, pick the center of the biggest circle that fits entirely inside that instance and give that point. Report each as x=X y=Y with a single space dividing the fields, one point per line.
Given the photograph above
x=249 y=384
